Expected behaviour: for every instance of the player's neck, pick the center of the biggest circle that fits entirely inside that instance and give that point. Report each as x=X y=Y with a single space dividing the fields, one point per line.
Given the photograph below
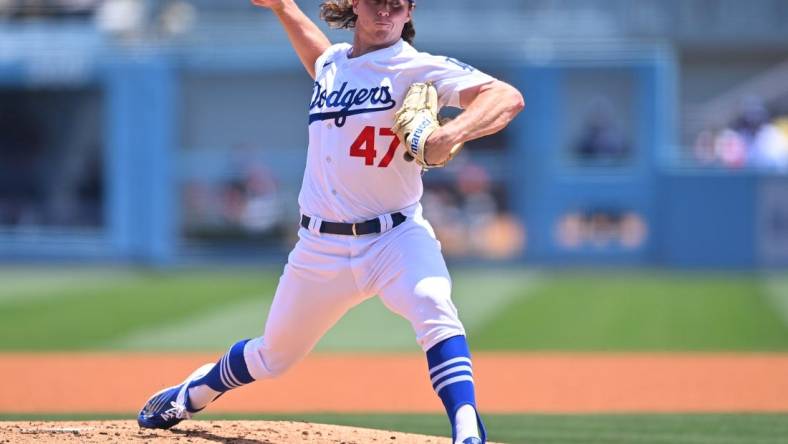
x=361 y=47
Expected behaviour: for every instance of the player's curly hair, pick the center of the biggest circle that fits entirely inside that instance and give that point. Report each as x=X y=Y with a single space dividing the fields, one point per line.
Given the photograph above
x=339 y=15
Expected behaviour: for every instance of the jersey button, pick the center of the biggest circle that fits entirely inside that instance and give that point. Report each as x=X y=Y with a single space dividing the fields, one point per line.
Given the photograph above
x=329 y=125
x=328 y=159
x=334 y=192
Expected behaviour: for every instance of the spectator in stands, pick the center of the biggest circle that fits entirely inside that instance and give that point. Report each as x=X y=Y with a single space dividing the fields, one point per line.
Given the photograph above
x=602 y=140
x=468 y=218
x=770 y=149
x=47 y=8
x=730 y=148
x=765 y=145
x=781 y=123
x=751 y=140
x=20 y=150
x=122 y=18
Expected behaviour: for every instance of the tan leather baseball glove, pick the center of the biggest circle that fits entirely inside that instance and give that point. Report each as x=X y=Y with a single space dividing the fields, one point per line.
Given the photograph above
x=416 y=120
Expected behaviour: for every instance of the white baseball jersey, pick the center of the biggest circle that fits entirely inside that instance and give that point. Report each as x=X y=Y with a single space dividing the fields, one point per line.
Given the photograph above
x=356 y=171
x=355 y=168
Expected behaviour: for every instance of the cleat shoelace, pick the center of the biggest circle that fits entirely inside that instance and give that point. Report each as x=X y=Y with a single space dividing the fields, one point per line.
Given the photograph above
x=177 y=411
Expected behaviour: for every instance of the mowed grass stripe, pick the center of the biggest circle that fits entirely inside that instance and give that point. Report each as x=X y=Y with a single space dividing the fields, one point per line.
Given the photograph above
x=368 y=327
x=215 y=329
x=639 y=312
x=478 y=294
x=614 y=429
x=207 y=310
x=95 y=316
x=623 y=429
x=483 y=295
x=657 y=429
x=22 y=284
x=571 y=311
x=776 y=290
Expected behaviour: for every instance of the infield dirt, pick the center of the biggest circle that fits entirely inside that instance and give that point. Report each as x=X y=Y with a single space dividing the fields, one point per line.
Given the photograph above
x=115 y=383
x=238 y=432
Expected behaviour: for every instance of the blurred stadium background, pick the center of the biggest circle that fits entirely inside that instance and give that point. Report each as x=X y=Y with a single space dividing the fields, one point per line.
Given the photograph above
x=151 y=153
x=159 y=132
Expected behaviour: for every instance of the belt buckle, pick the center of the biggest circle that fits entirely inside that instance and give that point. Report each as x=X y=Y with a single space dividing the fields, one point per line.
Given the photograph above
x=353 y=228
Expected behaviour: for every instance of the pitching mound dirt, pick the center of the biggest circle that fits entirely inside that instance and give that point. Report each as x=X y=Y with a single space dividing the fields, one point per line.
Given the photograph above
x=239 y=432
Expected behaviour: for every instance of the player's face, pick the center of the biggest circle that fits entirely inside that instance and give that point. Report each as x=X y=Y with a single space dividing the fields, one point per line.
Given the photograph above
x=380 y=22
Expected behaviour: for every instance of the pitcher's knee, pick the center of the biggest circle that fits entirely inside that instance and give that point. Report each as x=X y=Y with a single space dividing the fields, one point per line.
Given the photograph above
x=434 y=331
x=434 y=287
x=263 y=362
x=433 y=314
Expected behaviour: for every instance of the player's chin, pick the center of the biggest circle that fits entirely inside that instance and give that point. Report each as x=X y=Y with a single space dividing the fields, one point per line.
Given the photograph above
x=385 y=35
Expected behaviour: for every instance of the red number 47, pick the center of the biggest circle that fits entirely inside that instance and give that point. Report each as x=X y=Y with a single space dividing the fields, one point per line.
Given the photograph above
x=364 y=146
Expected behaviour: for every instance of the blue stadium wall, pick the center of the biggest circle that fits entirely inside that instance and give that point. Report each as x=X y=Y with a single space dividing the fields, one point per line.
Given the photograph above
x=693 y=218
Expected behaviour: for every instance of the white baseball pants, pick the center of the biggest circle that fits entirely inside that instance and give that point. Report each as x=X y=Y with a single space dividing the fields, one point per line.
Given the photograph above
x=326 y=275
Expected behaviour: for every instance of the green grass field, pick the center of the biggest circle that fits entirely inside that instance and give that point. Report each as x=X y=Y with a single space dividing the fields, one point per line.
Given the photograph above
x=515 y=310
x=112 y=309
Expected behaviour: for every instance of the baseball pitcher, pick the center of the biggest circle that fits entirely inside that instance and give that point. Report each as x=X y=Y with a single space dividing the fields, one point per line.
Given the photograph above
x=373 y=131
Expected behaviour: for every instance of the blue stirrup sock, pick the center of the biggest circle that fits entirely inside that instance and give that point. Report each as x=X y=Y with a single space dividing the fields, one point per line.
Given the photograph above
x=451 y=374
x=229 y=372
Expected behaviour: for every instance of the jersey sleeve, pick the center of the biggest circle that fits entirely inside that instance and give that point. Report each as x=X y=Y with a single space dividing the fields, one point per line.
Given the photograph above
x=328 y=55
x=451 y=77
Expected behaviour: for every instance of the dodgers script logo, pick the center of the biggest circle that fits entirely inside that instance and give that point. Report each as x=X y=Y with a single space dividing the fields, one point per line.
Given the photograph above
x=350 y=102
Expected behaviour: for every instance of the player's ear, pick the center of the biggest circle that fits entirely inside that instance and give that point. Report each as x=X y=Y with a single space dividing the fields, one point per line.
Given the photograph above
x=354 y=5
